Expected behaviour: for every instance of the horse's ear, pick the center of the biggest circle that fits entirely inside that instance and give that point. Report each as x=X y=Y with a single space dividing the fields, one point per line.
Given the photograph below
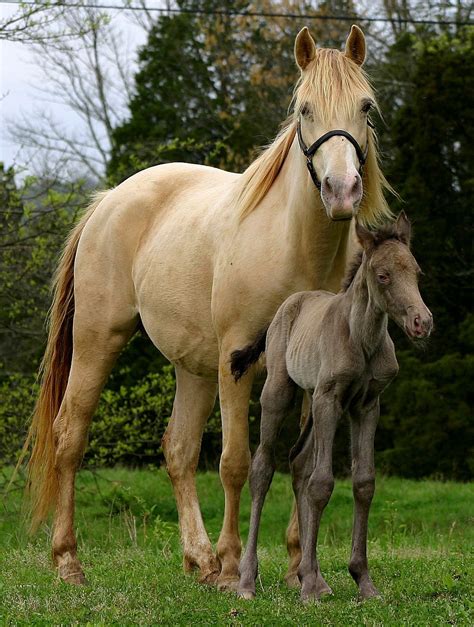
x=355 y=45
x=305 y=48
x=366 y=238
x=404 y=228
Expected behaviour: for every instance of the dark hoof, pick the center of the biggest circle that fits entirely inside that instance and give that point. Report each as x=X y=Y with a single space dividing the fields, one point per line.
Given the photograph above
x=369 y=593
x=292 y=580
x=246 y=594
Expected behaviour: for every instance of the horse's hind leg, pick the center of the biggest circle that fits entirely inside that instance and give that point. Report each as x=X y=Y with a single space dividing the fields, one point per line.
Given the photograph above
x=94 y=354
x=193 y=403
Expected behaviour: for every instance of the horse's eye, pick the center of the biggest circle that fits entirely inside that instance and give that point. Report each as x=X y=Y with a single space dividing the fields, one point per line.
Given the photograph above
x=383 y=278
x=367 y=106
x=305 y=110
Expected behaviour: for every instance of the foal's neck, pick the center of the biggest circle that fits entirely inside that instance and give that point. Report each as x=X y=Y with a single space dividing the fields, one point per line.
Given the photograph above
x=367 y=321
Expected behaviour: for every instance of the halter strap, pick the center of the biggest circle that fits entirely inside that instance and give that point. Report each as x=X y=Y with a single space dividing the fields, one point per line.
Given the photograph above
x=311 y=151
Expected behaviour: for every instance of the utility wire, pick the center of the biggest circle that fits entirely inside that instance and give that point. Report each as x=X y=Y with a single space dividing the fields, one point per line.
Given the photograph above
x=231 y=13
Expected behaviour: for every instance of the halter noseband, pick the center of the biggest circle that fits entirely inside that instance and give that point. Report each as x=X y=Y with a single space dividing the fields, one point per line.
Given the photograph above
x=311 y=151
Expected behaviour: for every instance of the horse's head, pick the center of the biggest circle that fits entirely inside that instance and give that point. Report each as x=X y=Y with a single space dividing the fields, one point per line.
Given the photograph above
x=392 y=276
x=333 y=94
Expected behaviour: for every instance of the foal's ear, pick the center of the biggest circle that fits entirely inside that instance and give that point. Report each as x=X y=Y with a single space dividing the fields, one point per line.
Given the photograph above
x=305 y=48
x=355 y=45
x=366 y=238
x=403 y=228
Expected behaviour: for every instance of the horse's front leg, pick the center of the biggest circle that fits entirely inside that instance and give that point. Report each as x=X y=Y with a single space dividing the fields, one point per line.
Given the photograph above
x=364 y=424
x=317 y=490
x=234 y=465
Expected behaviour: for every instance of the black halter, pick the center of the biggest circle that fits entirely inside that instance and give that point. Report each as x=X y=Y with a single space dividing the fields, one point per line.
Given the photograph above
x=311 y=151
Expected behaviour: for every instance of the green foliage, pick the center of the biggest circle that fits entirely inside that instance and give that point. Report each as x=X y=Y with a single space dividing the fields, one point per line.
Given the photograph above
x=427 y=425
x=130 y=422
x=35 y=218
x=17 y=399
x=428 y=137
x=419 y=552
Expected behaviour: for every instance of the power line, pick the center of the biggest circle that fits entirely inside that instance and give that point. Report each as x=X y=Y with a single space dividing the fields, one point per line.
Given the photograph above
x=232 y=13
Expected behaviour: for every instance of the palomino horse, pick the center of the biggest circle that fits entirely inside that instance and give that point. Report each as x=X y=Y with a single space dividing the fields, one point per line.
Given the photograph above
x=337 y=347
x=203 y=259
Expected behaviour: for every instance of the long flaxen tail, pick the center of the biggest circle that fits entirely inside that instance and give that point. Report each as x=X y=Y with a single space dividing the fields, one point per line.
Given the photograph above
x=54 y=374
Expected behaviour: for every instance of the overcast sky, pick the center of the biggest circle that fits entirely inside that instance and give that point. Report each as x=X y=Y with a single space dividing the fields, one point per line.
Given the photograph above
x=19 y=74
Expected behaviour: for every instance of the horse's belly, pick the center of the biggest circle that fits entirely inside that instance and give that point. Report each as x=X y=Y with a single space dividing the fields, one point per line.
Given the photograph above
x=173 y=280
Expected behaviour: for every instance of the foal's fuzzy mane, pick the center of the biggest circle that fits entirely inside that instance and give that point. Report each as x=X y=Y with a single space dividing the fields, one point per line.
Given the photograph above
x=332 y=83
x=382 y=234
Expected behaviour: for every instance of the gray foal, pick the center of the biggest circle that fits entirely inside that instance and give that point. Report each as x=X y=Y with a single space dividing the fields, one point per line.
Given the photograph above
x=336 y=347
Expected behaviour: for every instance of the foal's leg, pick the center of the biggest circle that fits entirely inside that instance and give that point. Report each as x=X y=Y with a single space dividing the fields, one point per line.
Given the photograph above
x=364 y=424
x=318 y=490
x=234 y=465
x=277 y=396
x=193 y=403
x=93 y=357
x=293 y=544
x=301 y=469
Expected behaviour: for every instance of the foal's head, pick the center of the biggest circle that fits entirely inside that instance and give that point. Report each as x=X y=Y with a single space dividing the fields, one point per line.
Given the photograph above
x=334 y=94
x=392 y=276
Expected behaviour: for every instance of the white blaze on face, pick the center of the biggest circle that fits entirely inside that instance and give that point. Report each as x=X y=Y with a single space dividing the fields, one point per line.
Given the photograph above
x=341 y=184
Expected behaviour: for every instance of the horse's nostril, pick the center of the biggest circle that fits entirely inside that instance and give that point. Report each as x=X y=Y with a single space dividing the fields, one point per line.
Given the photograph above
x=356 y=186
x=327 y=184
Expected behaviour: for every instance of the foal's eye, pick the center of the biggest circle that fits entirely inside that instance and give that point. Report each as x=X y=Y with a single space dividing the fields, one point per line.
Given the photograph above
x=383 y=278
x=306 y=110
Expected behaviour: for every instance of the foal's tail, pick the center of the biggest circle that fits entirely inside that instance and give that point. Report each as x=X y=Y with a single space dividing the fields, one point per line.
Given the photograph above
x=54 y=374
x=241 y=360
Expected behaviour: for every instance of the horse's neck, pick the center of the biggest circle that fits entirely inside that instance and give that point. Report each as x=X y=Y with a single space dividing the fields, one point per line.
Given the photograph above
x=367 y=322
x=316 y=245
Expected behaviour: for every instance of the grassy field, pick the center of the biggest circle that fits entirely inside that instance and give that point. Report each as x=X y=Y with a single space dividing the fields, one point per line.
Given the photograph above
x=420 y=550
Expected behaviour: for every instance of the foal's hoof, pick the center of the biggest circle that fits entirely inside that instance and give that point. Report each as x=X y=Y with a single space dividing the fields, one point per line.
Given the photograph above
x=292 y=580
x=228 y=584
x=324 y=590
x=368 y=592
x=249 y=595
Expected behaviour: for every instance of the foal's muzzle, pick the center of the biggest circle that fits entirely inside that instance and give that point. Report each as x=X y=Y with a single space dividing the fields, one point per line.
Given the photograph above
x=418 y=322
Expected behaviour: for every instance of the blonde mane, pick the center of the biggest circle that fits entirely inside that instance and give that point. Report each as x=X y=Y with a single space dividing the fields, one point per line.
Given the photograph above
x=334 y=85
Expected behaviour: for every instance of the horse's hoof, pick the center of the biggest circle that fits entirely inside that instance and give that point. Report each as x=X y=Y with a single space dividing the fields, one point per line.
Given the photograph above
x=228 y=584
x=248 y=595
x=209 y=579
x=292 y=580
x=75 y=578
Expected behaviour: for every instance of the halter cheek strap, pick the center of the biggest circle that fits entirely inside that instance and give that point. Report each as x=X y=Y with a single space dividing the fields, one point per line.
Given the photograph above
x=311 y=151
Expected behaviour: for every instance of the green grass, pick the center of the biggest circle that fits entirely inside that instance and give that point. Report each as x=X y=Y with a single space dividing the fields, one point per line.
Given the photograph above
x=420 y=551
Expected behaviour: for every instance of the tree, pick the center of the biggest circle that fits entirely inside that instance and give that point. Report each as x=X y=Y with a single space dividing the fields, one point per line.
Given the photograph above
x=211 y=88
x=91 y=75
x=429 y=138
